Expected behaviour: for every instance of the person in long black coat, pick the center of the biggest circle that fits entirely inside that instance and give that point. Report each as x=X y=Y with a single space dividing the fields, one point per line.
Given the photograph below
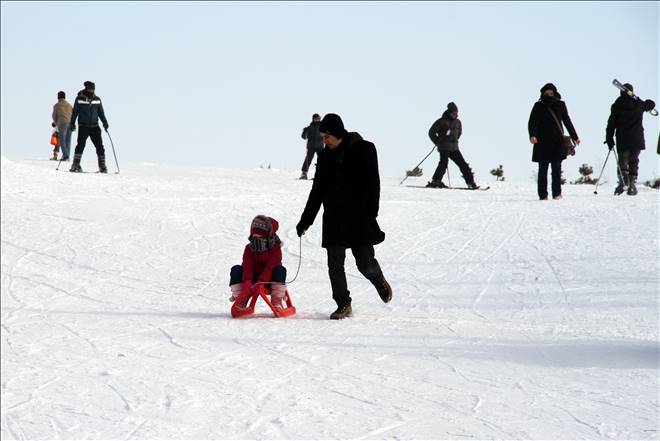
x=347 y=184
x=626 y=120
x=547 y=137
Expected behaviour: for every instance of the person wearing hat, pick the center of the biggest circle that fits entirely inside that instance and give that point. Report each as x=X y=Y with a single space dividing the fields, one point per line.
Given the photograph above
x=88 y=108
x=62 y=111
x=347 y=184
x=444 y=133
x=547 y=137
x=314 y=143
x=262 y=263
x=626 y=115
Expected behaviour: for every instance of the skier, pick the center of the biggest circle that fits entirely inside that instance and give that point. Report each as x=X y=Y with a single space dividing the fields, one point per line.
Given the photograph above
x=262 y=262
x=62 y=111
x=314 y=143
x=444 y=133
x=546 y=136
x=625 y=119
x=347 y=184
x=88 y=109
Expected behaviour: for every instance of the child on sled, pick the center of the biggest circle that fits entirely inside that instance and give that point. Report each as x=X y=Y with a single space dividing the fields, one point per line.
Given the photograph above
x=262 y=264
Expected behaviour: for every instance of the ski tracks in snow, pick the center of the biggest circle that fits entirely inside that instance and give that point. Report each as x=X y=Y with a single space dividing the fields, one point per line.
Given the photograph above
x=119 y=326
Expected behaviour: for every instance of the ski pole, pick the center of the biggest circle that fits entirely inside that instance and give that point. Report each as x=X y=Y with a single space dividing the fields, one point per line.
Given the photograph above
x=448 y=178
x=618 y=167
x=602 y=170
x=113 y=149
x=420 y=163
x=58 y=163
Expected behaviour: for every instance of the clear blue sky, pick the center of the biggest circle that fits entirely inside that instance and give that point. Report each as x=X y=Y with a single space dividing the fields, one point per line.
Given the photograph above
x=233 y=84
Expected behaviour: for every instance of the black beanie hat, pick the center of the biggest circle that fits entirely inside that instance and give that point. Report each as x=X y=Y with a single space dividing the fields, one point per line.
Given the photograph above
x=627 y=86
x=89 y=85
x=549 y=86
x=333 y=125
x=452 y=107
x=61 y=95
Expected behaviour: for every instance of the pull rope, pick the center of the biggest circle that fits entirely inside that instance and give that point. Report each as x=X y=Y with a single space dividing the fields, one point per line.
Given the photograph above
x=297 y=270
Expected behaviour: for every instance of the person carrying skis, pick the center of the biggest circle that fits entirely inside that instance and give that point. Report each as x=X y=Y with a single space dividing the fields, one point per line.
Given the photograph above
x=314 y=143
x=444 y=133
x=62 y=111
x=88 y=109
x=347 y=184
x=545 y=133
x=262 y=263
x=625 y=120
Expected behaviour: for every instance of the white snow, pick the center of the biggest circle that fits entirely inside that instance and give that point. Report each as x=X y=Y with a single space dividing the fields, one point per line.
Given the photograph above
x=512 y=318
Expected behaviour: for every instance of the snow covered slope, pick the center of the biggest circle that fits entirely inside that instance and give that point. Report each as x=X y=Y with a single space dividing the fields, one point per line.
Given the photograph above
x=511 y=317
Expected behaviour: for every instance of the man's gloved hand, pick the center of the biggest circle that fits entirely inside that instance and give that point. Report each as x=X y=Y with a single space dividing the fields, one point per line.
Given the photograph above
x=72 y=127
x=300 y=229
x=106 y=125
x=610 y=144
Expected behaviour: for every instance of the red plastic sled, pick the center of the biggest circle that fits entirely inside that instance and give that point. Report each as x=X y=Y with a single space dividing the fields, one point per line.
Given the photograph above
x=264 y=293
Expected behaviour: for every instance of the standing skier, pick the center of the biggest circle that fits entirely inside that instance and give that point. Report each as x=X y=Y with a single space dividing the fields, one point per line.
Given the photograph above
x=62 y=111
x=314 y=143
x=444 y=133
x=88 y=109
x=347 y=184
x=626 y=120
x=547 y=137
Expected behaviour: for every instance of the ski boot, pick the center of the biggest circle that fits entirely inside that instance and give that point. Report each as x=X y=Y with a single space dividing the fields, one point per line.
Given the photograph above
x=54 y=158
x=75 y=166
x=303 y=176
x=436 y=184
x=632 y=187
x=619 y=189
x=102 y=167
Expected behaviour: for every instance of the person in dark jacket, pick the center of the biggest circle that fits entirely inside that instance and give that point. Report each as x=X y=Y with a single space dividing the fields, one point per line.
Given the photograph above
x=625 y=120
x=444 y=133
x=546 y=134
x=347 y=184
x=88 y=108
x=314 y=143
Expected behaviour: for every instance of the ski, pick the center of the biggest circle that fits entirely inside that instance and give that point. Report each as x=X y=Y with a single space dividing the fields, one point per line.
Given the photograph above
x=623 y=88
x=450 y=188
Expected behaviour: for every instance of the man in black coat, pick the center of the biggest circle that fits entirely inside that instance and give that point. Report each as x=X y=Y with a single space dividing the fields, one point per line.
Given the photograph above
x=314 y=143
x=347 y=184
x=88 y=108
x=626 y=120
x=546 y=134
x=444 y=133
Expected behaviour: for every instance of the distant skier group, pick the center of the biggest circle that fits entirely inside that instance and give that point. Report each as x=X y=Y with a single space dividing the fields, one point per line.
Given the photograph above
x=87 y=109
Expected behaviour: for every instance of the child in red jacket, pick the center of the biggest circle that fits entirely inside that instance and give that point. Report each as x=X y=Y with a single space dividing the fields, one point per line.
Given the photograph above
x=262 y=263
